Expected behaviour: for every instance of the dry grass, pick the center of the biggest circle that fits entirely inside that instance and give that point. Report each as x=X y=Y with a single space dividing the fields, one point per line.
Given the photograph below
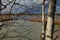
x=57 y=22
x=7 y=16
x=35 y=20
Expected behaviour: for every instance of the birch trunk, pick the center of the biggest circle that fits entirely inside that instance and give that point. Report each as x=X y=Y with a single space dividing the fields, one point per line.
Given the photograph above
x=43 y=19
x=0 y=13
x=0 y=6
x=50 y=22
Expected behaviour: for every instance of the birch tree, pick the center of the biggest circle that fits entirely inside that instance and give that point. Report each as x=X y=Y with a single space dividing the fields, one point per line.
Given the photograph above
x=43 y=19
x=50 y=21
x=0 y=13
x=0 y=6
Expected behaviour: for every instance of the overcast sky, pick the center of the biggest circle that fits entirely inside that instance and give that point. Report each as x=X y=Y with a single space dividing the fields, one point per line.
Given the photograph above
x=26 y=1
x=17 y=9
x=23 y=2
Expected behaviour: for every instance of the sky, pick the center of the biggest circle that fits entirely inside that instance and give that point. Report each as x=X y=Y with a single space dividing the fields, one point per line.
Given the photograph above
x=23 y=2
x=29 y=3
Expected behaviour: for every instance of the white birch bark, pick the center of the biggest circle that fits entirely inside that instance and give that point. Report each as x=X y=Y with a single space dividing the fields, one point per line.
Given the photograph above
x=43 y=19
x=50 y=22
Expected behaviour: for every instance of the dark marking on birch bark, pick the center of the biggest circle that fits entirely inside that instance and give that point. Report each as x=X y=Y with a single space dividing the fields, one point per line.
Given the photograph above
x=49 y=36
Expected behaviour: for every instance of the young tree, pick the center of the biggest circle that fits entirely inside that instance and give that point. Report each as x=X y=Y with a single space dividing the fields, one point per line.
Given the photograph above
x=0 y=13
x=3 y=6
x=50 y=21
x=43 y=19
x=0 y=6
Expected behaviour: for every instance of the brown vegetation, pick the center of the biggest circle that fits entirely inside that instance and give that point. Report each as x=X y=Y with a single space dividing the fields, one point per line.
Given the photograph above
x=6 y=17
x=40 y=20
